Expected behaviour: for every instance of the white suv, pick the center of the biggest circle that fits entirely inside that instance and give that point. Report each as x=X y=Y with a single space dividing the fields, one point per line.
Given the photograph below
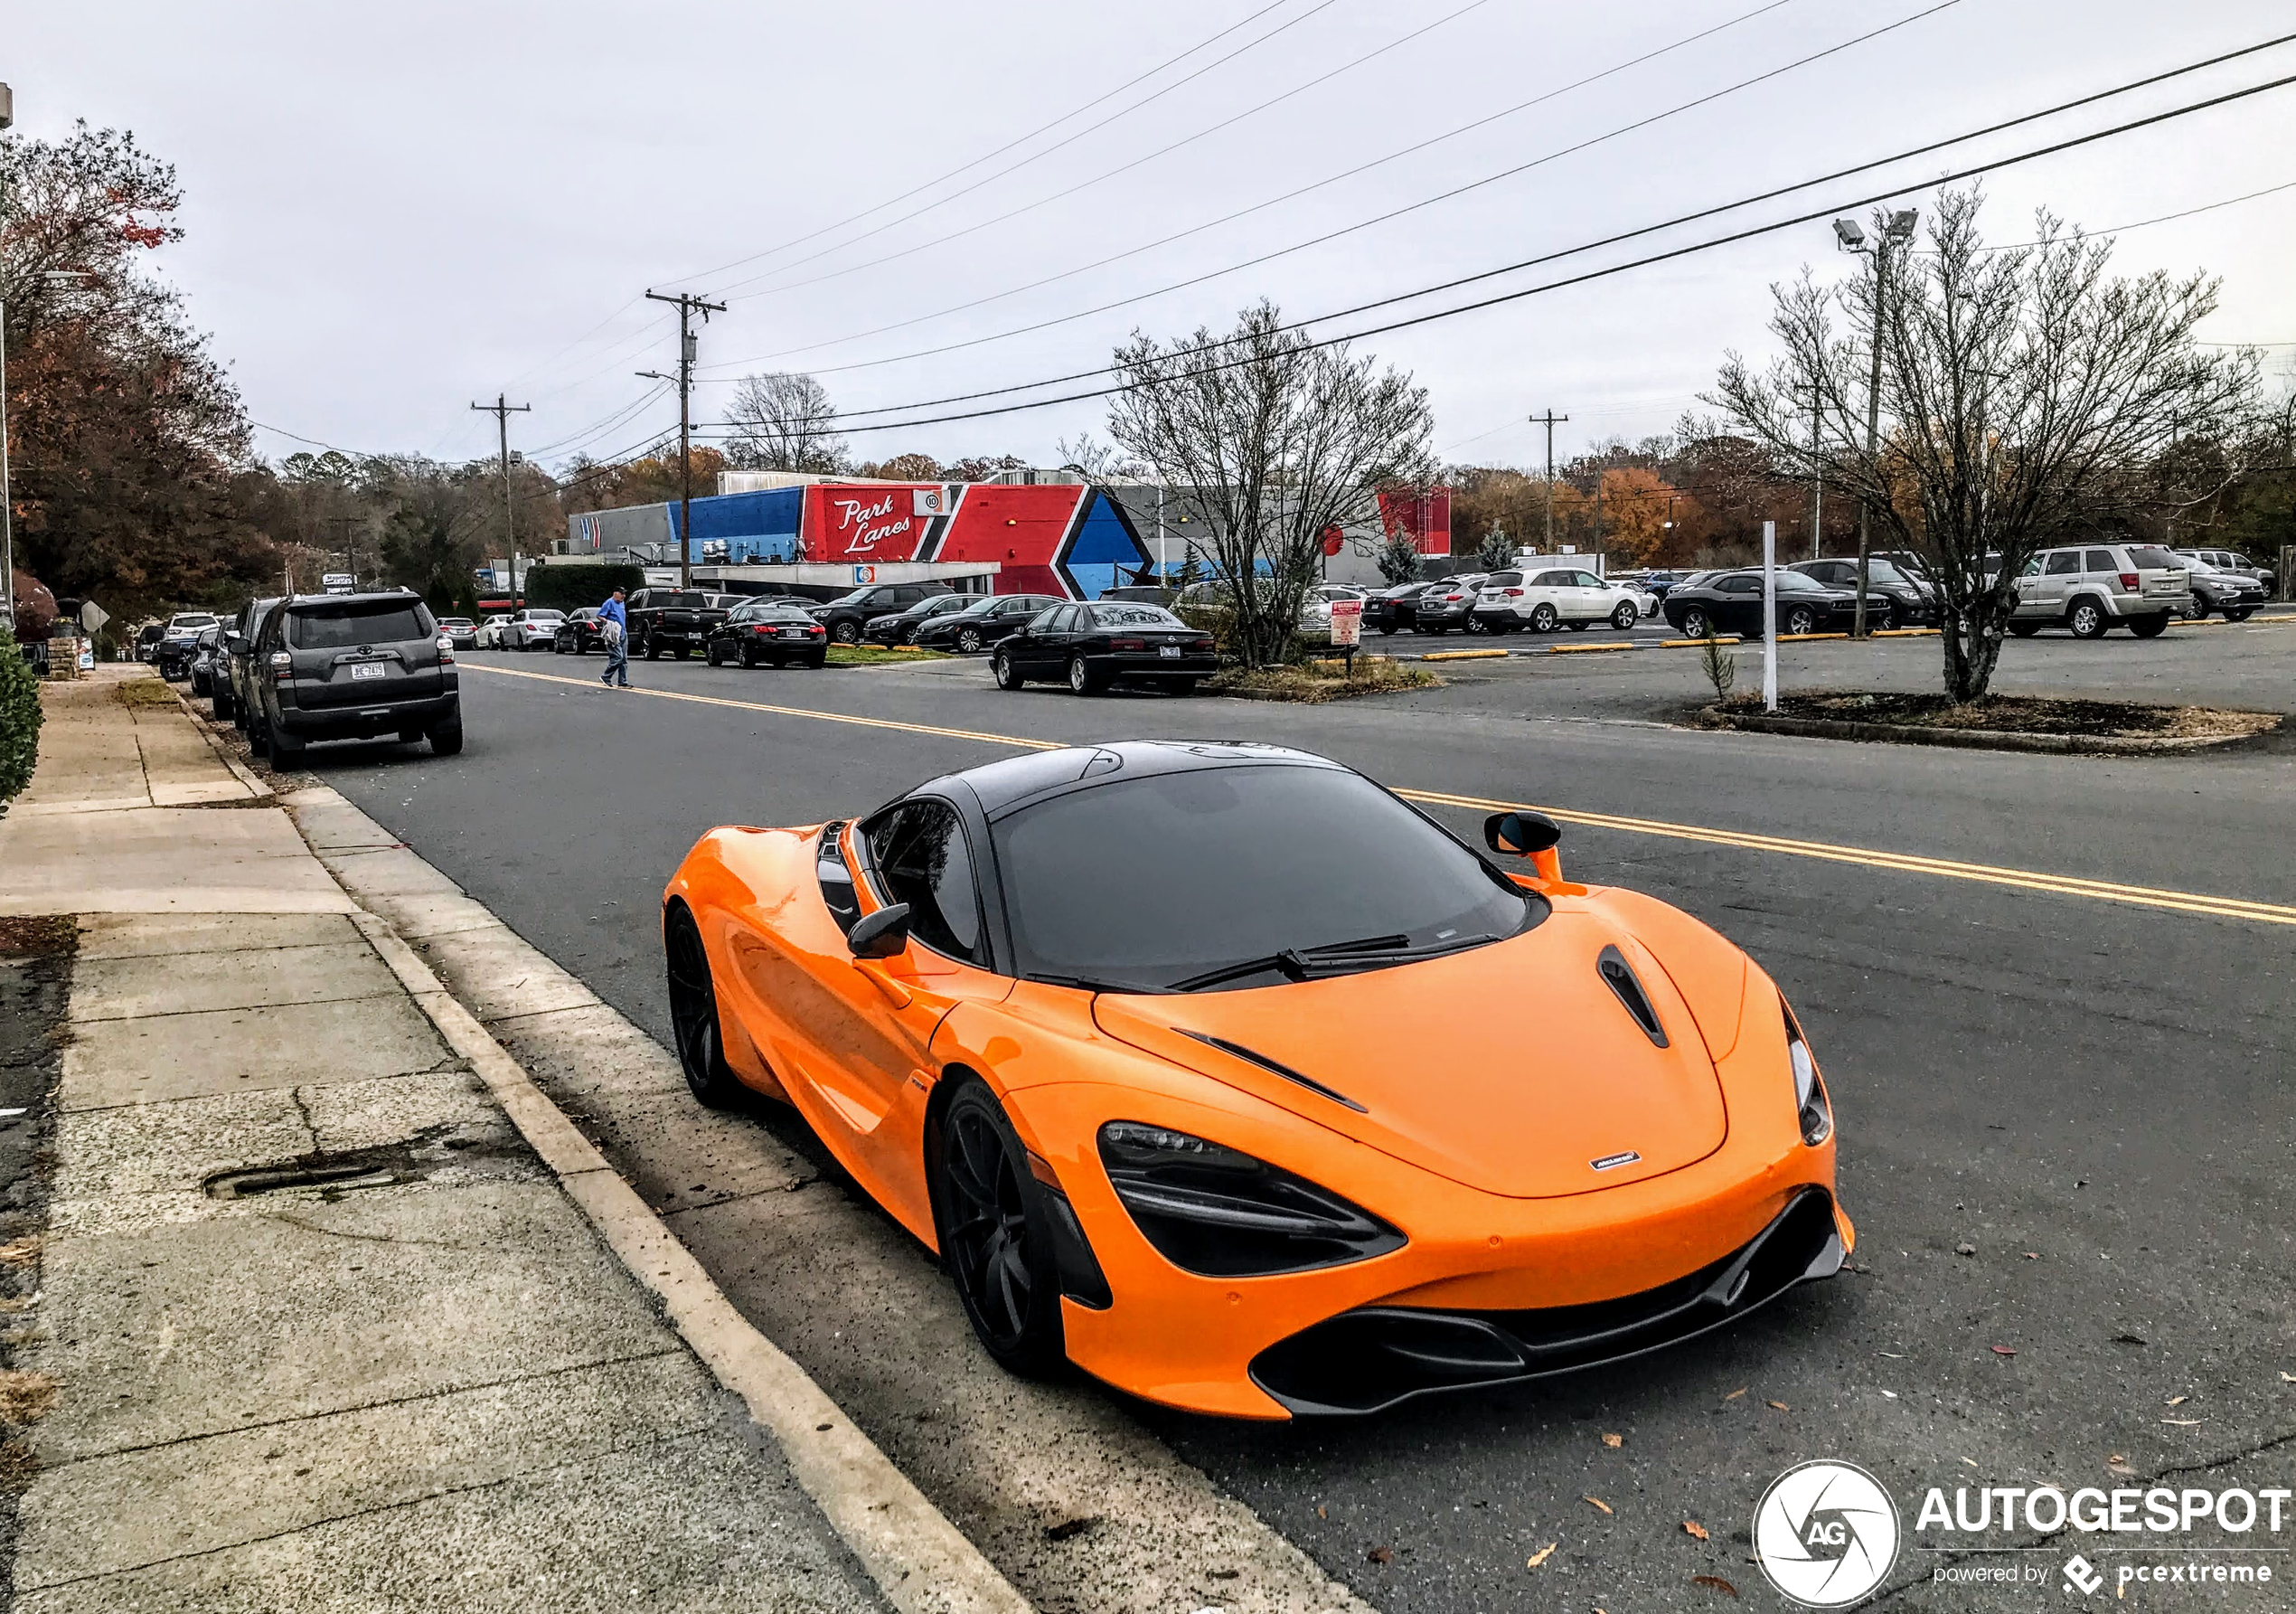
x=2089 y=588
x=1544 y=600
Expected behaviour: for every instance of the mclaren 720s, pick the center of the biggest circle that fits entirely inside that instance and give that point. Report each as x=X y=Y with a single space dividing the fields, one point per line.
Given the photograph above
x=1230 y=1077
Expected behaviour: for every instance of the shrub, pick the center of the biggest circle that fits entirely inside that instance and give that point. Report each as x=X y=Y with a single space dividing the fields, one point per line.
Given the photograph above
x=563 y=587
x=20 y=719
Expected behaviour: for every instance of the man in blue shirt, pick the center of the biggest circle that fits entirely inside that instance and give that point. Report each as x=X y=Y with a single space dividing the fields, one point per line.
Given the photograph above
x=614 y=624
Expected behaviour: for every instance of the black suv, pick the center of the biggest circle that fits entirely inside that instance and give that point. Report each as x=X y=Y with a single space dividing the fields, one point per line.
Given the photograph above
x=351 y=666
x=677 y=619
x=846 y=617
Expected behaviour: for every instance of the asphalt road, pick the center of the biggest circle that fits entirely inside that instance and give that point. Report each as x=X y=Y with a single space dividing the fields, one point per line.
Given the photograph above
x=2090 y=1092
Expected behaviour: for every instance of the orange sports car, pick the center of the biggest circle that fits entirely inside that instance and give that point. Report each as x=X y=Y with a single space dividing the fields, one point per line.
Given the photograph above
x=1224 y=1074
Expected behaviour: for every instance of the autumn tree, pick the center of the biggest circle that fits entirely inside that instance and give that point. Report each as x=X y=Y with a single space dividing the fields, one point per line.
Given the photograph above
x=653 y=479
x=2025 y=394
x=1278 y=439
x=1638 y=509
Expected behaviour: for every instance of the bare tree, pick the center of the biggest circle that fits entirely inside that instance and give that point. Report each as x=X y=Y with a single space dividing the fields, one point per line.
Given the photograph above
x=784 y=421
x=2025 y=394
x=1096 y=461
x=1277 y=440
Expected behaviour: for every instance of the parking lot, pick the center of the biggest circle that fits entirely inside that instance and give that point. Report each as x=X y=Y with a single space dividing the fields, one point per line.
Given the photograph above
x=2065 y=1114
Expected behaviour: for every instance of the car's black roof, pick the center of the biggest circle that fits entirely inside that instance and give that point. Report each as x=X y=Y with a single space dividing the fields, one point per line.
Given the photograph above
x=1002 y=786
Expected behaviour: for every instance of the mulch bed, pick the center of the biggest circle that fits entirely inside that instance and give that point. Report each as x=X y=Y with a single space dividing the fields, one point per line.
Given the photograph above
x=2020 y=714
x=1316 y=682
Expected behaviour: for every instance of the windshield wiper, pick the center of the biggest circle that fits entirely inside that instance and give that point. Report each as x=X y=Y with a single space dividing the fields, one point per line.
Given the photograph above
x=1085 y=983
x=1293 y=963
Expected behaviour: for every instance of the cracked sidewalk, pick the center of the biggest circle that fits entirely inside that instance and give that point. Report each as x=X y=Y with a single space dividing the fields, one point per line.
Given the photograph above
x=328 y=1333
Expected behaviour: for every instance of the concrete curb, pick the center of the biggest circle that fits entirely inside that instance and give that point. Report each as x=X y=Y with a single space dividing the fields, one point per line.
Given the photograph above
x=1824 y=727
x=262 y=794
x=923 y=1563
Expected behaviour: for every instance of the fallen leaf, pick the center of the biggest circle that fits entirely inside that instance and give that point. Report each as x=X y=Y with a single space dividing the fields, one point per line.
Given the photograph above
x=1717 y=1581
x=1697 y=1529
x=2118 y=1460
x=1382 y=1554
x=1540 y=1556
x=1892 y=1394
x=2176 y=1401
x=2032 y=1255
x=1598 y=1502
x=1736 y=1394
x=1780 y=1405
x=2128 y=1339
x=2004 y=1350
x=1893 y=1355
x=1615 y=1441
x=2289 y=1378
x=1971 y=1462
x=2183 y=1422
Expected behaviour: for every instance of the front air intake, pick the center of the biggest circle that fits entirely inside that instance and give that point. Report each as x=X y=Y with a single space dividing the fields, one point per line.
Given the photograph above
x=1619 y=976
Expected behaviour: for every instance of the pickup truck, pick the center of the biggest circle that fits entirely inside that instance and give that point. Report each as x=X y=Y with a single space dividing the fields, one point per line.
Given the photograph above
x=676 y=619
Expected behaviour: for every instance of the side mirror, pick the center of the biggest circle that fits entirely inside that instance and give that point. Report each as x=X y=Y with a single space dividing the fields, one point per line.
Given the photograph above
x=236 y=643
x=1521 y=833
x=882 y=935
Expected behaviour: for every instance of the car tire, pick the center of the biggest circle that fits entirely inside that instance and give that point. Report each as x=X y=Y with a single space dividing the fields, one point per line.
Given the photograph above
x=647 y=649
x=1543 y=618
x=846 y=633
x=1387 y=627
x=285 y=747
x=693 y=1014
x=994 y=1223
x=1007 y=676
x=709 y=653
x=219 y=704
x=1697 y=624
x=1472 y=626
x=1082 y=679
x=1580 y=626
x=2150 y=627
x=447 y=739
x=2238 y=613
x=748 y=659
x=2087 y=619
x=2196 y=609
x=2024 y=630
x=1801 y=620
x=1625 y=616
x=969 y=641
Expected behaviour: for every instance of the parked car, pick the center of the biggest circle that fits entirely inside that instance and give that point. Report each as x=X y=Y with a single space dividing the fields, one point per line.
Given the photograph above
x=534 y=628
x=2232 y=592
x=1893 y=600
x=2257 y=582
x=775 y=632
x=1141 y=594
x=1091 y=645
x=846 y=617
x=1544 y=600
x=675 y=619
x=1315 y=607
x=493 y=632
x=900 y=627
x=2089 y=588
x=579 y=633
x=1658 y=583
x=354 y=667
x=172 y=652
x=1391 y=610
x=147 y=639
x=238 y=648
x=205 y=672
x=1448 y=604
x=987 y=620
x=462 y=631
x=1731 y=603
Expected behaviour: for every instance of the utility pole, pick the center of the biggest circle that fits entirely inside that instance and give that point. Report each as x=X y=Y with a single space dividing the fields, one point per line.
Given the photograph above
x=503 y=410
x=1551 y=419
x=688 y=307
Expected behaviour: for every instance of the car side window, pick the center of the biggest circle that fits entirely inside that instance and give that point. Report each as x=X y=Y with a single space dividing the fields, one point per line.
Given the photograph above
x=2032 y=568
x=2064 y=563
x=2101 y=559
x=1587 y=580
x=922 y=859
x=1739 y=585
x=1039 y=623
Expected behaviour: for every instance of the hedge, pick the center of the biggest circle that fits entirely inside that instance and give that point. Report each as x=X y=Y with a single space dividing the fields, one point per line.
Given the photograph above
x=19 y=721
x=561 y=587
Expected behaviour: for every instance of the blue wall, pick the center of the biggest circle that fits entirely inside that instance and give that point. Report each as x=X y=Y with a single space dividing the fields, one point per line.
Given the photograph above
x=756 y=527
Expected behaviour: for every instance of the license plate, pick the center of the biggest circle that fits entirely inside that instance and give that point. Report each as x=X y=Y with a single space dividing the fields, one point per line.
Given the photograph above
x=372 y=669
x=1170 y=652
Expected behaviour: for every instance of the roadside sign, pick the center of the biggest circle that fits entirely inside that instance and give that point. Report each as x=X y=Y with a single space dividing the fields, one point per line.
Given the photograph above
x=864 y=574
x=338 y=582
x=93 y=617
x=1347 y=623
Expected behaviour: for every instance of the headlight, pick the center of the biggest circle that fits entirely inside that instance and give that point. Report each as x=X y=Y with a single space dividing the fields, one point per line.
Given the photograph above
x=1215 y=1211
x=1811 y=1105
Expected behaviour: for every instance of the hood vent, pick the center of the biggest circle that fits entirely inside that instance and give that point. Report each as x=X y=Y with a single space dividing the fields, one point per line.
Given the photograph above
x=1238 y=1051
x=1620 y=977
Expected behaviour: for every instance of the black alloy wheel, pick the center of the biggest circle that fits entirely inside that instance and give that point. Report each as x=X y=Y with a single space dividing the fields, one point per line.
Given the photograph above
x=1697 y=624
x=846 y=633
x=969 y=640
x=693 y=1014
x=1543 y=618
x=2197 y=607
x=749 y=659
x=996 y=1234
x=1008 y=676
x=1800 y=619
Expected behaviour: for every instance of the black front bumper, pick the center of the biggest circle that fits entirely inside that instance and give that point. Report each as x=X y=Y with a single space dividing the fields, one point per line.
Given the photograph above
x=1369 y=1360
x=360 y=723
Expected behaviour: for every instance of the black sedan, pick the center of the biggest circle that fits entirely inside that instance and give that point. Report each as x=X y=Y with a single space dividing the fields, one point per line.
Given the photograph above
x=174 y=654
x=1090 y=647
x=579 y=634
x=206 y=668
x=900 y=627
x=775 y=632
x=1391 y=608
x=989 y=618
x=1893 y=600
x=1731 y=603
x=1451 y=603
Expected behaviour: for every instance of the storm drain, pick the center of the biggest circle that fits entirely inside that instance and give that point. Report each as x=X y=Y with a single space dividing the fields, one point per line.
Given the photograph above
x=337 y=1173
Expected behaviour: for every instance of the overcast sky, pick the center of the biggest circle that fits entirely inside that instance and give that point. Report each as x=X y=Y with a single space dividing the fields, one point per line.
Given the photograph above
x=395 y=210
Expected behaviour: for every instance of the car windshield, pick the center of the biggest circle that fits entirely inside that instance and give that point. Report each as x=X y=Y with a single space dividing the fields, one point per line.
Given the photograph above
x=1247 y=862
x=346 y=627
x=984 y=604
x=1881 y=572
x=770 y=613
x=1794 y=582
x=683 y=602
x=1135 y=616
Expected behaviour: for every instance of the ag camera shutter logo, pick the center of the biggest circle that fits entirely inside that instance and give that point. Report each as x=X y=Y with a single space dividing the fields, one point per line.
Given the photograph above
x=1825 y=1533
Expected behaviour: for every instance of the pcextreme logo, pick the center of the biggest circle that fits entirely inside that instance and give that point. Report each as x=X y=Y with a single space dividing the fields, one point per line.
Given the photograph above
x=1825 y=1533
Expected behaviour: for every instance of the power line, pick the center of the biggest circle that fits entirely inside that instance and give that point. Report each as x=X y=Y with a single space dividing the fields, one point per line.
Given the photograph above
x=1749 y=233
x=1679 y=220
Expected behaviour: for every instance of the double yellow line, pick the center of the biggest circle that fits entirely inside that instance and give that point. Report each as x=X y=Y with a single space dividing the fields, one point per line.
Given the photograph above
x=1906 y=862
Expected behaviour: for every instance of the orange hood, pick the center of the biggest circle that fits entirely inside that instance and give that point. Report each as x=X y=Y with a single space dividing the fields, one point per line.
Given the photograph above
x=1510 y=1068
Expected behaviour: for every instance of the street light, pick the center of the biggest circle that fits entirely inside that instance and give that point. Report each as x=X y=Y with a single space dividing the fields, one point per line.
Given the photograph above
x=1897 y=227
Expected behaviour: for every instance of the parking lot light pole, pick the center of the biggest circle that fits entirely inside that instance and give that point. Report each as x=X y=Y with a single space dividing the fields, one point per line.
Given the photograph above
x=1897 y=229
x=1769 y=616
